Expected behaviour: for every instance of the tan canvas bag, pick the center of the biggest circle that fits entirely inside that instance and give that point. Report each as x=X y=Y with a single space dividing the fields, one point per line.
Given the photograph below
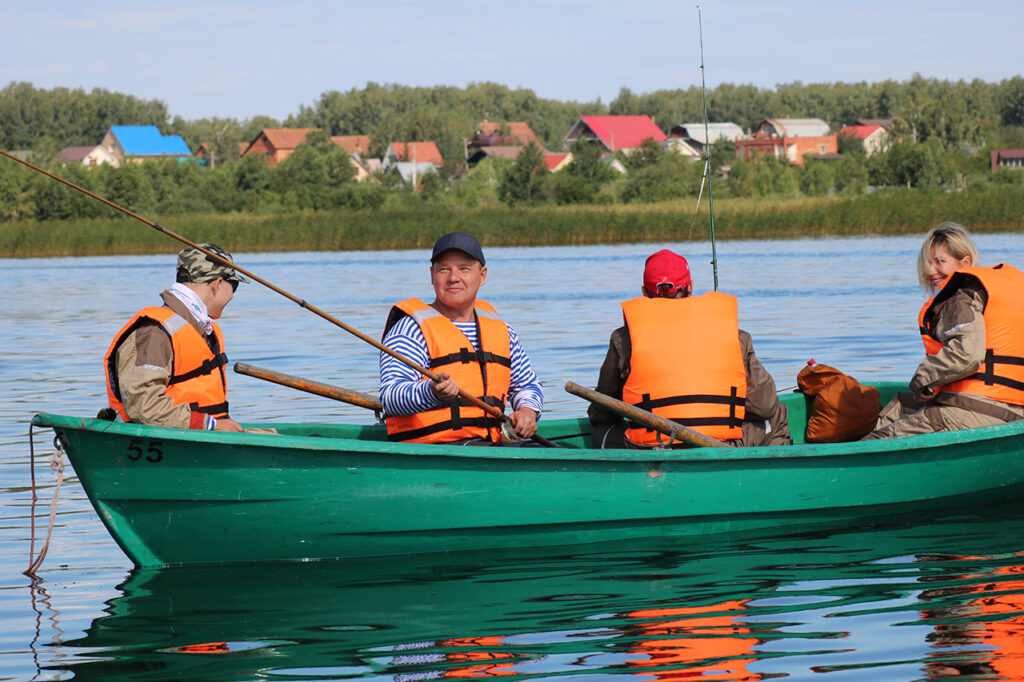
x=841 y=409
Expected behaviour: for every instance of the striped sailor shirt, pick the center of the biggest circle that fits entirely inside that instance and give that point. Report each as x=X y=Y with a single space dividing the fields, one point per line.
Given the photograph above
x=403 y=390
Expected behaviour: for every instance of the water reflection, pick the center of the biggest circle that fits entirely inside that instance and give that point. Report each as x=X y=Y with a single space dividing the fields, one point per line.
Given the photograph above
x=743 y=611
x=711 y=642
x=978 y=622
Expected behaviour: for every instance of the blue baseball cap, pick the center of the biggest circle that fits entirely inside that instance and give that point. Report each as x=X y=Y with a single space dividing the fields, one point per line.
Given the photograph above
x=459 y=241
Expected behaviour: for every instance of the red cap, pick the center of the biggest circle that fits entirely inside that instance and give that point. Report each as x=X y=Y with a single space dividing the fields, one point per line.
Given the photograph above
x=666 y=268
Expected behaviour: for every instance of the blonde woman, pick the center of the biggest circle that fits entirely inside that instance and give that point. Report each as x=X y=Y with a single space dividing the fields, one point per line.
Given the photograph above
x=973 y=332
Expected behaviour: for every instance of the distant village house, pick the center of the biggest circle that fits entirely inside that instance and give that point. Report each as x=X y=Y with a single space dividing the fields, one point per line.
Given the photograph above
x=789 y=139
x=690 y=139
x=557 y=161
x=1006 y=158
x=353 y=144
x=139 y=143
x=615 y=133
x=277 y=144
x=413 y=152
x=87 y=156
x=494 y=134
x=874 y=138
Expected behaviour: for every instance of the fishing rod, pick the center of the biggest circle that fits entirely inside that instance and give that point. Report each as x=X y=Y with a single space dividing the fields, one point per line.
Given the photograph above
x=707 y=150
x=468 y=397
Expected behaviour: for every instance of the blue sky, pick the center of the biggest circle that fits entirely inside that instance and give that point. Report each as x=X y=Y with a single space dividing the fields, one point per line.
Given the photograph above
x=236 y=59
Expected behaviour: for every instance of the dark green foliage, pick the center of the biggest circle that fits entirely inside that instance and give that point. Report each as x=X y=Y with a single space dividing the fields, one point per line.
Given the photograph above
x=908 y=165
x=1011 y=102
x=581 y=180
x=818 y=177
x=130 y=187
x=851 y=174
x=671 y=177
x=762 y=176
x=650 y=153
x=524 y=180
x=12 y=181
x=69 y=117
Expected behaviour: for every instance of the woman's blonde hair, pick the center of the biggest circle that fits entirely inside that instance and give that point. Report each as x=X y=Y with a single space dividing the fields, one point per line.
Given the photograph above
x=956 y=240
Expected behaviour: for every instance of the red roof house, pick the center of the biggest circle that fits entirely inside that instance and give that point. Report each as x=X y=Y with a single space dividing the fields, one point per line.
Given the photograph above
x=615 y=132
x=874 y=138
x=420 y=152
x=353 y=144
x=558 y=161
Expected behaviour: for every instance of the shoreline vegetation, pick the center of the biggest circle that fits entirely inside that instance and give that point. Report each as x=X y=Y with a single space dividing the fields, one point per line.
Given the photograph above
x=882 y=213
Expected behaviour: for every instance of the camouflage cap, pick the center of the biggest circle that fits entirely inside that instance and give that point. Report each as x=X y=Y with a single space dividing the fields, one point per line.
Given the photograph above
x=196 y=266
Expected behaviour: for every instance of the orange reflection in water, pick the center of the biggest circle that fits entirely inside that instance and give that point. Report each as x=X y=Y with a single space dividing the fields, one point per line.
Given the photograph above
x=990 y=614
x=484 y=662
x=706 y=642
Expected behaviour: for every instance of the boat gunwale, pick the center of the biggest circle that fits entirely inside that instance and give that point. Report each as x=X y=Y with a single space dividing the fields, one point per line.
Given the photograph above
x=575 y=455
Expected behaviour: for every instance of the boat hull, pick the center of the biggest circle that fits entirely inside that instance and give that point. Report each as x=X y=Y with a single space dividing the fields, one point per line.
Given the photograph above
x=322 y=491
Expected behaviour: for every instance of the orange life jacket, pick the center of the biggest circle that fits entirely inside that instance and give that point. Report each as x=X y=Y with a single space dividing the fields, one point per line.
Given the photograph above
x=197 y=372
x=686 y=364
x=1001 y=376
x=485 y=373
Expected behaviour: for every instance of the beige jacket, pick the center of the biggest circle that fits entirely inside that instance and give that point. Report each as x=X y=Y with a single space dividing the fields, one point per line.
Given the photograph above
x=144 y=363
x=961 y=330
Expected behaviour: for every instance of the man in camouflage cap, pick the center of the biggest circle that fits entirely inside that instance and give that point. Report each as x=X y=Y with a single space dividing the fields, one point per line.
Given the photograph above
x=196 y=266
x=166 y=365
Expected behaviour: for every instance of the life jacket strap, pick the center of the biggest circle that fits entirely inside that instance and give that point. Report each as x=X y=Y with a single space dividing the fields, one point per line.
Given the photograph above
x=205 y=368
x=467 y=355
x=988 y=373
x=455 y=421
x=219 y=408
x=733 y=400
x=413 y=434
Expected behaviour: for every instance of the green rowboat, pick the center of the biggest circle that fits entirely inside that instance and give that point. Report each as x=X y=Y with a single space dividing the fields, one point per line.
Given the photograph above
x=320 y=491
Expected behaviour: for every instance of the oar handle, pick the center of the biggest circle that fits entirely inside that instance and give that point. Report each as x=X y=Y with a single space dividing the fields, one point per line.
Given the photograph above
x=326 y=390
x=671 y=429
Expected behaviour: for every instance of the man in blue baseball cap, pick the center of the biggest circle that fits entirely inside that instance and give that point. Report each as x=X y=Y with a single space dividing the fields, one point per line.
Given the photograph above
x=463 y=339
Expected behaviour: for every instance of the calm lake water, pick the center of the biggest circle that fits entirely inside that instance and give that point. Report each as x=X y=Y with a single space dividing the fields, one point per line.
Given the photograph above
x=920 y=598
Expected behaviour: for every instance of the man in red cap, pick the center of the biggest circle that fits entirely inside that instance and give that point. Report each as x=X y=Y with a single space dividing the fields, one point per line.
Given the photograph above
x=685 y=358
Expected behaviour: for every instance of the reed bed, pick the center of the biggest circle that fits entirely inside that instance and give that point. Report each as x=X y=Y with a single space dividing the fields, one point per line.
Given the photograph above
x=417 y=227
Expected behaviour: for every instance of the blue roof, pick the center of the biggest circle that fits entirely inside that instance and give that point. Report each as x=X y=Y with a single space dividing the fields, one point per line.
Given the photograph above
x=147 y=141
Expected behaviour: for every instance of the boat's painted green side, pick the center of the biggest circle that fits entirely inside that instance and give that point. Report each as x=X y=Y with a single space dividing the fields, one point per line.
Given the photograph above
x=318 y=491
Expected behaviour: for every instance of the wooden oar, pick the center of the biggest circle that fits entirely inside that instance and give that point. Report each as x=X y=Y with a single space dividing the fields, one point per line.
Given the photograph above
x=468 y=397
x=671 y=429
x=309 y=386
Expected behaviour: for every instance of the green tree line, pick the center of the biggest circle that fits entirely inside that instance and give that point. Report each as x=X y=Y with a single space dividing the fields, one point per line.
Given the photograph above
x=954 y=113
x=942 y=146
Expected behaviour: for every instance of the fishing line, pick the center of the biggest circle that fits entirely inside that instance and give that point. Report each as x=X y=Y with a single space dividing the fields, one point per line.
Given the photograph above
x=707 y=152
